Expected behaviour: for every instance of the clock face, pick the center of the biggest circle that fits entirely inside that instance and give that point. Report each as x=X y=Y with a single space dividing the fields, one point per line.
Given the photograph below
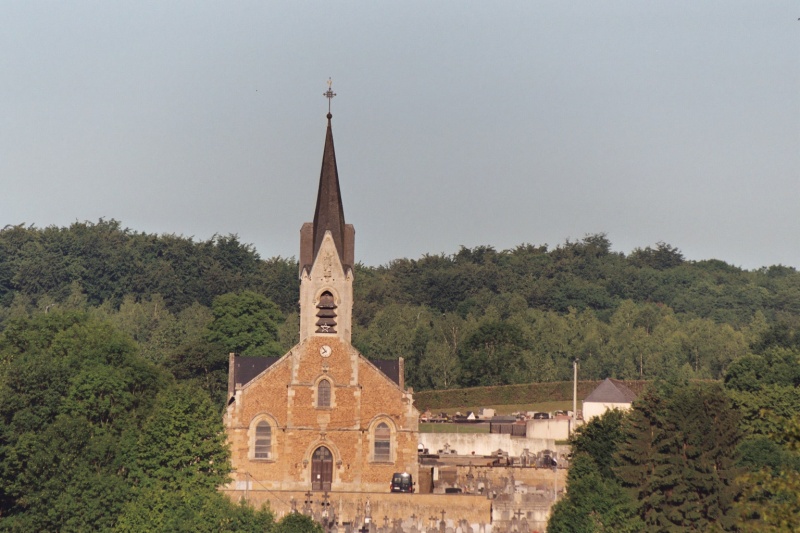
x=325 y=351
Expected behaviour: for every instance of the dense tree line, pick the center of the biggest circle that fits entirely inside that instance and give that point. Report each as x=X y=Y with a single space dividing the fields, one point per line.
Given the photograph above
x=478 y=317
x=104 y=263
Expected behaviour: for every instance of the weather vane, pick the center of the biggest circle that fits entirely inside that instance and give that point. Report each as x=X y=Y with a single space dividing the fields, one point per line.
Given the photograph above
x=329 y=94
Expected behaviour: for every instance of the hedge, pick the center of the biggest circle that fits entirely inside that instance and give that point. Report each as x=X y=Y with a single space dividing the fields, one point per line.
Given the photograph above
x=509 y=394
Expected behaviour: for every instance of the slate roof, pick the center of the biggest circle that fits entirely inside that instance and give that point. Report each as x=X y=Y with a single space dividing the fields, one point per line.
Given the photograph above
x=390 y=368
x=245 y=369
x=329 y=214
x=611 y=391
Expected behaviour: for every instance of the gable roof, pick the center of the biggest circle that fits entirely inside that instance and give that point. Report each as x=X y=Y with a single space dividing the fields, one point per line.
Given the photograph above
x=391 y=369
x=611 y=391
x=245 y=369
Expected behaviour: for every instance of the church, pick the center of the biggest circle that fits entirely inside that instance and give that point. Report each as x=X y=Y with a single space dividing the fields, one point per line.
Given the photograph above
x=322 y=417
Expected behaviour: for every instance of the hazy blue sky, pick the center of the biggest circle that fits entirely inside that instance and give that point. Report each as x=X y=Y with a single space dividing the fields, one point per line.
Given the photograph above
x=456 y=123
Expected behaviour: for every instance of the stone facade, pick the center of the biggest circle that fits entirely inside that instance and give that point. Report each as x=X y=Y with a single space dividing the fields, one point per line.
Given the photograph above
x=403 y=513
x=285 y=397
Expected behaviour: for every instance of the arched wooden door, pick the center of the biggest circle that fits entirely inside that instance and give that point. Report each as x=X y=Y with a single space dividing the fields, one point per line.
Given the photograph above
x=321 y=469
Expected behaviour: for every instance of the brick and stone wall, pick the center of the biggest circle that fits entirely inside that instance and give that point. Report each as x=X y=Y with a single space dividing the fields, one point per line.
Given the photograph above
x=285 y=396
x=349 y=506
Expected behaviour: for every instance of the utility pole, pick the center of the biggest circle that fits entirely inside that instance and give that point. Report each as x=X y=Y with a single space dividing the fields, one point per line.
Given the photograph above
x=574 y=394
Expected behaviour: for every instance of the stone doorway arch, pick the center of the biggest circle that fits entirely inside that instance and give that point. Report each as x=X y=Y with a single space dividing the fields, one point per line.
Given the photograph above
x=321 y=469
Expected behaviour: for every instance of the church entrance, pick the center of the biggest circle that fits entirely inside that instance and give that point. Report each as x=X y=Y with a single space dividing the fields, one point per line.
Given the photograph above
x=321 y=469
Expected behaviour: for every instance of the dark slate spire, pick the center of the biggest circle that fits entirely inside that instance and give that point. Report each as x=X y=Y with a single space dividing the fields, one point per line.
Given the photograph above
x=329 y=214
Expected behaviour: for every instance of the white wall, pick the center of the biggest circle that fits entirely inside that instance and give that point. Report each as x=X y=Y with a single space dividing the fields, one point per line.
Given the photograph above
x=549 y=429
x=483 y=443
x=593 y=409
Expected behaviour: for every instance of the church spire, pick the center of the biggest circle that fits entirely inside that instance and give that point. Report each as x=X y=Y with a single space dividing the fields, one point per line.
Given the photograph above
x=329 y=212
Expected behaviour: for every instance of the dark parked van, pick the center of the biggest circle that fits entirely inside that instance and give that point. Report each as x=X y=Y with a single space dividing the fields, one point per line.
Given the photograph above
x=402 y=482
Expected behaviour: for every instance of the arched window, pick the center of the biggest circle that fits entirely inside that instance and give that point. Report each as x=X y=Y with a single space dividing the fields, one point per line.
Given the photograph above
x=263 y=441
x=382 y=443
x=324 y=393
x=326 y=315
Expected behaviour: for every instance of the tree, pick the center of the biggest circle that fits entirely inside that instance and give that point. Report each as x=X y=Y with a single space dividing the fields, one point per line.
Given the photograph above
x=297 y=523
x=771 y=503
x=494 y=355
x=203 y=364
x=780 y=366
x=73 y=393
x=245 y=323
x=182 y=445
x=766 y=411
x=771 y=497
x=678 y=456
x=595 y=500
x=599 y=439
x=661 y=257
x=158 y=509
x=762 y=453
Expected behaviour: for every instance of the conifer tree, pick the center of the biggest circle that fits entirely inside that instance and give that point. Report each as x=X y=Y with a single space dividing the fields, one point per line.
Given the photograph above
x=678 y=458
x=595 y=500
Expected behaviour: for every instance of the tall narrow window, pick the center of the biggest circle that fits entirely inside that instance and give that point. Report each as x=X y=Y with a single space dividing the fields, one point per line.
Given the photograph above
x=324 y=393
x=383 y=443
x=263 y=443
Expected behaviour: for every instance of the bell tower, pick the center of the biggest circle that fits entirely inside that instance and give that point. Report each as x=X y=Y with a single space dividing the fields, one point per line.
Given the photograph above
x=326 y=255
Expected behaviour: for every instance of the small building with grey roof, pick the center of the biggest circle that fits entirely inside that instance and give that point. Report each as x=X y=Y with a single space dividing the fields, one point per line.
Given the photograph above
x=610 y=394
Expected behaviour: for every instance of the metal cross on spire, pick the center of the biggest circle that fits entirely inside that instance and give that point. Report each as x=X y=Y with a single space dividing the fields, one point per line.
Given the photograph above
x=329 y=94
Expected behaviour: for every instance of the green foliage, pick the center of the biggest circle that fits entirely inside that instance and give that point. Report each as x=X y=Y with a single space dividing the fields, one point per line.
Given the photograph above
x=771 y=503
x=760 y=453
x=158 y=509
x=495 y=355
x=599 y=440
x=775 y=366
x=245 y=323
x=594 y=503
x=595 y=499
x=508 y=394
x=661 y=257
x=429 y=342
x=780 y=335
x=182 y=444
x=678 y=457
x=643 y=316
x=93 y=437
x=767 y=411
x=73 y=391
x=109 y=262
x=771 y=497
x=297 y=523
x=204 y=364
x=667 y=465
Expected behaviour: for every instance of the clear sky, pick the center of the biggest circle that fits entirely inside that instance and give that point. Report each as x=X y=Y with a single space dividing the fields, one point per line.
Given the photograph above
x=456 y=122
